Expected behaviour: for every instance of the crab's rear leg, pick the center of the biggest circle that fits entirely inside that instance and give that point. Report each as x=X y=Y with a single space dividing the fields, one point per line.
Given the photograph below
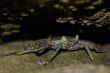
x=9 y=53
x=89 y=53
x=21 y=52
x=32 y=51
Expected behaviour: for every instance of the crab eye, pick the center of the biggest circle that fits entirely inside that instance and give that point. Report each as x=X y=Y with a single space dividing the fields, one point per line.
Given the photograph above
x=76 y=37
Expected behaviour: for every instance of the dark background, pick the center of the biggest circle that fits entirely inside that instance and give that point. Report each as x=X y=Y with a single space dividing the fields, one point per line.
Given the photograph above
x=42 y=23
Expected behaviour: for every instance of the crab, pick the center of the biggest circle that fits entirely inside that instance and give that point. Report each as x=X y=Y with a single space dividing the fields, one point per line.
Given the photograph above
x=57 y=45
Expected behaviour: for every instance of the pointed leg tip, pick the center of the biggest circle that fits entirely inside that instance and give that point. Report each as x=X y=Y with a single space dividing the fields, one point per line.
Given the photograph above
x=92 y=59
x=44 y=63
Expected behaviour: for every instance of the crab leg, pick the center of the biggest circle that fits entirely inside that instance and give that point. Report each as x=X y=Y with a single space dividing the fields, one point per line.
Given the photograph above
x=20 y=52
x=89 y=53
x=76 y=39
x=57 y=51
x=42 y=62
x=31 y=51
x=99 y=51
x=10 y=53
